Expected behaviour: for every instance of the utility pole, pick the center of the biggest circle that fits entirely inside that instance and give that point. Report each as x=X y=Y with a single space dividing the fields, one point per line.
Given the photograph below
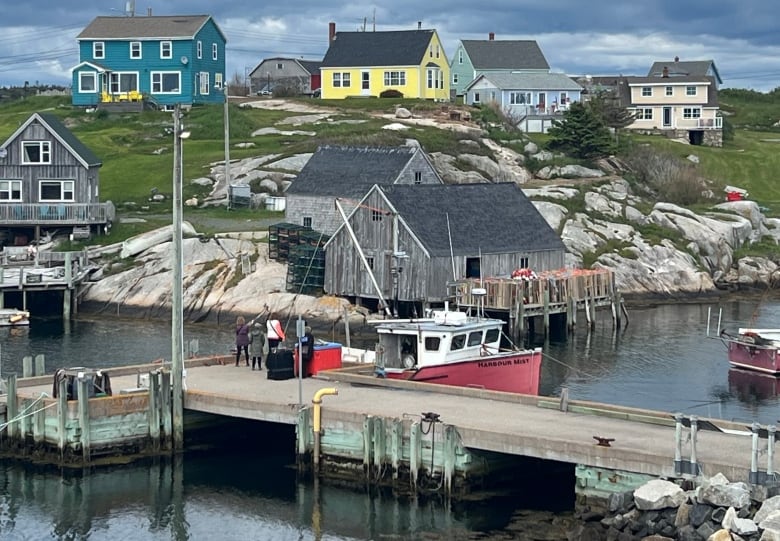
x=177 y=331
x=227 y=146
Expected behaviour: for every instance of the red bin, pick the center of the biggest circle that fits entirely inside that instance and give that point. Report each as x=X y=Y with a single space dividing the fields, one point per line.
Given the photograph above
x=326 y=356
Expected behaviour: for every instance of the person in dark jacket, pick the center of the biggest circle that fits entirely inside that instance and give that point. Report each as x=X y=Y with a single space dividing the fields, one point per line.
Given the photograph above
x=258 y=345
x=242 y=338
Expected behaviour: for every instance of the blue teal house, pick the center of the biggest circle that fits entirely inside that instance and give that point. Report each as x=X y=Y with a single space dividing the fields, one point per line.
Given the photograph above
x=159 y=60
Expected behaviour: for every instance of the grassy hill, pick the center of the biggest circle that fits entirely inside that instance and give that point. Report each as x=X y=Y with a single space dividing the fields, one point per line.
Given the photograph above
x=136 y=149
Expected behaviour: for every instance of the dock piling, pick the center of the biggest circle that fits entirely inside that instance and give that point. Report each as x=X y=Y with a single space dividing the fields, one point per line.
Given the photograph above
x=415 y=452
x=12 y=407
x=40 y=365
x=83 y=404
x=62 y=416
x=154 y=410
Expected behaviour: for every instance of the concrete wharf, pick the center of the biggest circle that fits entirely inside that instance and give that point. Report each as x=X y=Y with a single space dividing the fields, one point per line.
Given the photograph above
x=375 y=428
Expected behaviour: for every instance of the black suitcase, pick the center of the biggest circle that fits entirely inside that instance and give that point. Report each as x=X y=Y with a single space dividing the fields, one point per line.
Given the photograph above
x=280 y=364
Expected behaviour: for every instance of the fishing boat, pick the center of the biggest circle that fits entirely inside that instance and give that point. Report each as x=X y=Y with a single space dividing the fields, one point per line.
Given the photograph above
x=455 y=348
x=11 y=317
x=754 y=349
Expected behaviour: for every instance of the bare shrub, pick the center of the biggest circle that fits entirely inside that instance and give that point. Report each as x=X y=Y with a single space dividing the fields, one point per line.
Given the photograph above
x=670 y=178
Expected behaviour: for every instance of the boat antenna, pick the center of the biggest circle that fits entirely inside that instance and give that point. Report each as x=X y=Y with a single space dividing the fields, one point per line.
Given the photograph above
x=452 y=254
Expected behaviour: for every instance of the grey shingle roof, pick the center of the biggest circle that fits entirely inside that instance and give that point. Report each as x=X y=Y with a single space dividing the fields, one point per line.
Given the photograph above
x=621 y=86
x=154 y=27
x=529 y=81
x=349 y=172
x=683 y=67
x=70 y=140
x=393 y=48
x=312 y=66
x=505 y=54
x=491 y=218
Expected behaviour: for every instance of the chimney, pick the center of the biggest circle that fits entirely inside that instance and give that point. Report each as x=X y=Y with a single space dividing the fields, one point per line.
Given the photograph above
x=331 y=32
x=665 y=72
x=491 y=36
x=419 y=25
x=676 y=58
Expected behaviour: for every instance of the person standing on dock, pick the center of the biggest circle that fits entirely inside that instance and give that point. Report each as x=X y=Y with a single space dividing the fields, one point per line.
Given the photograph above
x=258 y=345
x=242 y=338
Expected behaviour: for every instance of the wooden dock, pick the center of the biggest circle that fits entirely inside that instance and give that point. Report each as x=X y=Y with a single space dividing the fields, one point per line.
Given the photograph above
x=391 y=432
x=563 y=293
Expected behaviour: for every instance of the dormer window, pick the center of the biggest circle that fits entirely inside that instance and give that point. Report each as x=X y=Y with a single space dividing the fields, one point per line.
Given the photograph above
x=98 y=49
x=166 y=49
x=36 y=152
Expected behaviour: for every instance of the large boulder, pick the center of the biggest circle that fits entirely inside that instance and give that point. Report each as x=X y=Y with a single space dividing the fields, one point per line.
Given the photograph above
x=659 y=494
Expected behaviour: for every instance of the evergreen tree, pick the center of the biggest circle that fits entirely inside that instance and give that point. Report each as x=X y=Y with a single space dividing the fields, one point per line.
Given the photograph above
x=607 y=106
x=582 y=133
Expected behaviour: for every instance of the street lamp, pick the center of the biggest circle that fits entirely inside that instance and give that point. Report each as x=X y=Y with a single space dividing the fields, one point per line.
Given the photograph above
x=177 y=265
x=227 y=144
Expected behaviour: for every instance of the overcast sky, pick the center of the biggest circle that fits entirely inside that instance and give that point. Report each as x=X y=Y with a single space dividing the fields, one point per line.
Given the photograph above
x=38 y=37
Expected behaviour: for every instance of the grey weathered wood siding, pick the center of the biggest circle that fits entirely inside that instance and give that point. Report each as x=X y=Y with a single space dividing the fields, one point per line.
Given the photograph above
x=290 y=75
x=64 y=166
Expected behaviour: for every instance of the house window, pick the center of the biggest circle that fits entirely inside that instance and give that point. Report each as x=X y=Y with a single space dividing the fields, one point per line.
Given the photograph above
x=473 y=267
x=644 y=113
x=669 y=91
x=122 y=82
x=307 y=221
x=418 y=177
x=523 y=262
x=199 y=49
x=166 y=49
x=341 y=80
x=690 y=90
x=647 y=91
x=135 y=50
x=205 y=87
x=370 y=261
x=460 y=57
x=691 y=112
x=56 y=190
x=431 y=78
x=397 y=78
x=218 y=80
x=519 y=98
x=376 y=215
x=98 y=49
x=10 y=190
x=437 y=51
x=166 y=82
x=563 y=97
x=279 y=66
x=87 y=81
x=454 y=78
x=36 y=152
x=214 y=51
x=476 y=97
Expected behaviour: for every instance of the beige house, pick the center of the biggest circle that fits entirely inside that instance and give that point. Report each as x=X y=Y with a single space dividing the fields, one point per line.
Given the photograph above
x=681 y=106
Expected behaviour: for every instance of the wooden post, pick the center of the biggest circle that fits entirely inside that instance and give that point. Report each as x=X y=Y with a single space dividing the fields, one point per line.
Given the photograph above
x=154 y=410
x=27 y=366
x=62 y=416
x=396 y=446
x=303 y=429
x=592 y=310
x=12 y=407
x=571 y=313
x=39 y=422
x=346 y=327
x=415 y=454
x=449 y=449
x=40 y=365
x=380 y=445
x=25 y=421
x=167 y=410
x=368 y=425
x=83 y=390
x=546 y=312
x=617 y=303
x=66 y=300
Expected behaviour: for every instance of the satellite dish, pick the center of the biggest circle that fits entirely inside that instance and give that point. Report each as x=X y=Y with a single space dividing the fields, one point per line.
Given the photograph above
x=184 y=60
x=3 y=152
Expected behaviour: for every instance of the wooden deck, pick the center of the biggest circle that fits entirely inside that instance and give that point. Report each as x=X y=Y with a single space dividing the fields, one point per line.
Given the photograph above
x=56 y=214
x=369 y=420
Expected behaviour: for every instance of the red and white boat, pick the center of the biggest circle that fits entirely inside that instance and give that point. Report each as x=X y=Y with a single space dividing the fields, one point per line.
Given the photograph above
x=454 y=348
x=754 y=349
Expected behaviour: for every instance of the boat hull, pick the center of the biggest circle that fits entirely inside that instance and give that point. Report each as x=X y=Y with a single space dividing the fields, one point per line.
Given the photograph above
x=512 y=372
x=753 y=357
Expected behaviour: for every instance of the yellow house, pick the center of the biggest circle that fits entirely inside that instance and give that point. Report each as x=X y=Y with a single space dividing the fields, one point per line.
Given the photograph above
x=412 y=62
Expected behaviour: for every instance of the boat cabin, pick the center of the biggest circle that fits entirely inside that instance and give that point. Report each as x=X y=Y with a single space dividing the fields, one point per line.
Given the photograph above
x=449 y=337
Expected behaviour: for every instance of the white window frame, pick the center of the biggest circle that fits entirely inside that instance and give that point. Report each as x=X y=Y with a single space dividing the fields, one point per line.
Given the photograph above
x=218 y=80
x=460 y=57
x=84 y=75
x=341 y=79
x=454 y=78
x=98 y=49
x=199 y=49
x=44 y=152
x=66 y=187
x=205 y=86
x=647 y=91
x=136 y=50
x=670 y=91
x=519 y=98
x=307 y=221
x=644 y=113
x=166 y=50
x=280 y=65
x=115 y=82
x=476 y=97
x=156 y=79
x=8 y=188
x=691 y=112
x=214 y=51
x=691 y=90
x=395 y=78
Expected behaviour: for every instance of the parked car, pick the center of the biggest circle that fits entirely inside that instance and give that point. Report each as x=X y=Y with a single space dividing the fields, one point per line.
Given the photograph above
x=316 y=93
x=267 y=90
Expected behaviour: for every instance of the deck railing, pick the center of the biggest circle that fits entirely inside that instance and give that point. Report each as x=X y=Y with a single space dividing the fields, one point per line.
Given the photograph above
x=53 y=214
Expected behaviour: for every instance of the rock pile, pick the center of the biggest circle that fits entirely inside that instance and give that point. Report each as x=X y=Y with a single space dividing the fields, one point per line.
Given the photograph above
x=713 y=511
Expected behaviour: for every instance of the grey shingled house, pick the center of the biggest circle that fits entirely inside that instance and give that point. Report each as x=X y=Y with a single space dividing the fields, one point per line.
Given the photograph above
x=347 y=174
x=418 y=238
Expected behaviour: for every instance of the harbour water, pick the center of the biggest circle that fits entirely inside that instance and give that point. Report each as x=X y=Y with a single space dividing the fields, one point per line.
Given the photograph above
x=661 y=360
